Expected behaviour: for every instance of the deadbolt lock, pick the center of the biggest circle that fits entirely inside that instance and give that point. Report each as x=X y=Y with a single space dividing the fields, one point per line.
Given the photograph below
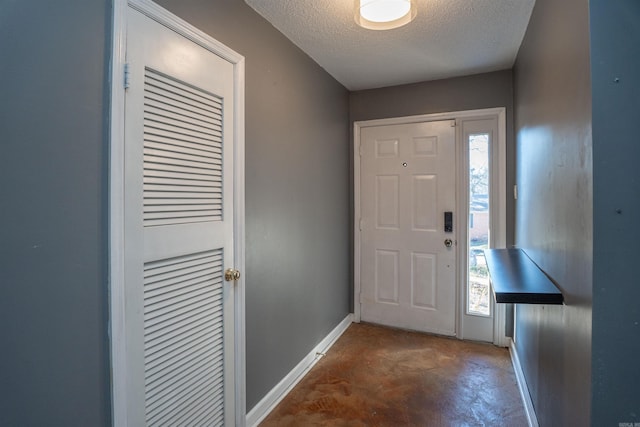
x=231 y=275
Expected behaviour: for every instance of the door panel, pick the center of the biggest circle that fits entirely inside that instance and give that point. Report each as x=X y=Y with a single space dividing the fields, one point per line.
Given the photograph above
x=178 y=230
x=387 y=280
x=388 y=202
x=407 y=183
x=183 y=343
x=423 y=280
x=425 y=216
x=182 y=184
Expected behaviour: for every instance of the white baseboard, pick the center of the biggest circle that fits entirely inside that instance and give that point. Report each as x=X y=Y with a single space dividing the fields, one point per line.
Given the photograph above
x=524 y=389
x=266 y=405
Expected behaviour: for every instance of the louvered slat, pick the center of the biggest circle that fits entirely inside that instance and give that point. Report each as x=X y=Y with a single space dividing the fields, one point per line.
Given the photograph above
x=176 y=314
x=186 y=91
x=162 y=102
x=182 y=153
x=195 y=403
x=180 y=158
x=179 y=266
x=166 y=150
x=162 y=167
x=194 y=195
x=157 y=105
x=182 y=126
x=183 y=340
x=201 y=321
x=180 y=145
x=159 y=135
x=176 y=376
x=197 y=199
x=183 y=208
x=178 y=129
x=162 y=160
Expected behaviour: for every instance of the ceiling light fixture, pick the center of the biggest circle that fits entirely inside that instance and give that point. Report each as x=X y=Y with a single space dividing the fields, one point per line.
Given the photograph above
x=384 y=14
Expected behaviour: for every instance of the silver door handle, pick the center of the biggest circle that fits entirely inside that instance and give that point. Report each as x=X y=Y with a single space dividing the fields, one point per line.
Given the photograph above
x=448 y=242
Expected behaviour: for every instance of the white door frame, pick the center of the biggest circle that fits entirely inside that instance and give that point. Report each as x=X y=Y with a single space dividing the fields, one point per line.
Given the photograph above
x=117 y=324
x=498 y=236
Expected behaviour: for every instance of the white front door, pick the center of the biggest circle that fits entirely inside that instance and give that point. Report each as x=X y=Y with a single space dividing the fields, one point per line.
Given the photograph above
x=407 y=183
x=178 y=229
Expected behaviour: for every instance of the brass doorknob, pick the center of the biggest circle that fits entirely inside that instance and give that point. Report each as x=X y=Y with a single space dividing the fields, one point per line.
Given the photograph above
x=231 y=275
x=448 y=242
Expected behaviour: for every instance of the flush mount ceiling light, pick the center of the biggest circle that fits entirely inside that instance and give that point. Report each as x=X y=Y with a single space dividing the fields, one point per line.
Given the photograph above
x=384 y=14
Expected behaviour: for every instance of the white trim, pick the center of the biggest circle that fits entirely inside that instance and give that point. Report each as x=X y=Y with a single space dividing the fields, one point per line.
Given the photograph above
x=498 y=223
x=116 y=191
x=356 y=221
x=500 y=241
x=239 y=241
x=499 y=324
x=522 y=387
x=271 y=400
x=500 y=238
x=185 y=29
x=116 y=218
x=500 y=113
x=452 y=115
x=462 y=204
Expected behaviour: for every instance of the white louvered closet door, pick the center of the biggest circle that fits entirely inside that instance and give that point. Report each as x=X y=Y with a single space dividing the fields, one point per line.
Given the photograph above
x=178 y=230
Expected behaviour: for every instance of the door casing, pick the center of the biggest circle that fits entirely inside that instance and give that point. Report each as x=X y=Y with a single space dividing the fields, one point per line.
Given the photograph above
x=117 y=324
x=498 y=215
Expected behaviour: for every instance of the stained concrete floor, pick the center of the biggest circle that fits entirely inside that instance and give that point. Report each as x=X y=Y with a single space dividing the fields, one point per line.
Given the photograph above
x=377 y=376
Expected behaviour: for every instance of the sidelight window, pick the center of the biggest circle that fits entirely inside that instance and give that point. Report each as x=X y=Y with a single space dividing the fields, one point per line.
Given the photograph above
x=478 y=287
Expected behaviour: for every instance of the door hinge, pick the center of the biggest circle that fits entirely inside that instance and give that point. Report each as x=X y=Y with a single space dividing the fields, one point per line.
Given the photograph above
x=361 y=222
x=360 y=149
x=453 y=123
x=126 y=76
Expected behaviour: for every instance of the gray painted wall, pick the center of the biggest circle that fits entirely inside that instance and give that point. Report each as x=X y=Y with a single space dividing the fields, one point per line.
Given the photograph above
x=54 y=362
x=297 y=196
x=53 y=132
x=437 y=96
x=53 y=128
x=615 y=54
x=554 y=208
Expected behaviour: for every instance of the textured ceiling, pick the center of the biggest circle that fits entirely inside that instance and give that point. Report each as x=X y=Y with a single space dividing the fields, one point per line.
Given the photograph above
x=448 y=38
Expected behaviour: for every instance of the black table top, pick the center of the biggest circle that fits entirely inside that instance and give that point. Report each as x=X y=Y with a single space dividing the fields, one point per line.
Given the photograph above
x=518 y=280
